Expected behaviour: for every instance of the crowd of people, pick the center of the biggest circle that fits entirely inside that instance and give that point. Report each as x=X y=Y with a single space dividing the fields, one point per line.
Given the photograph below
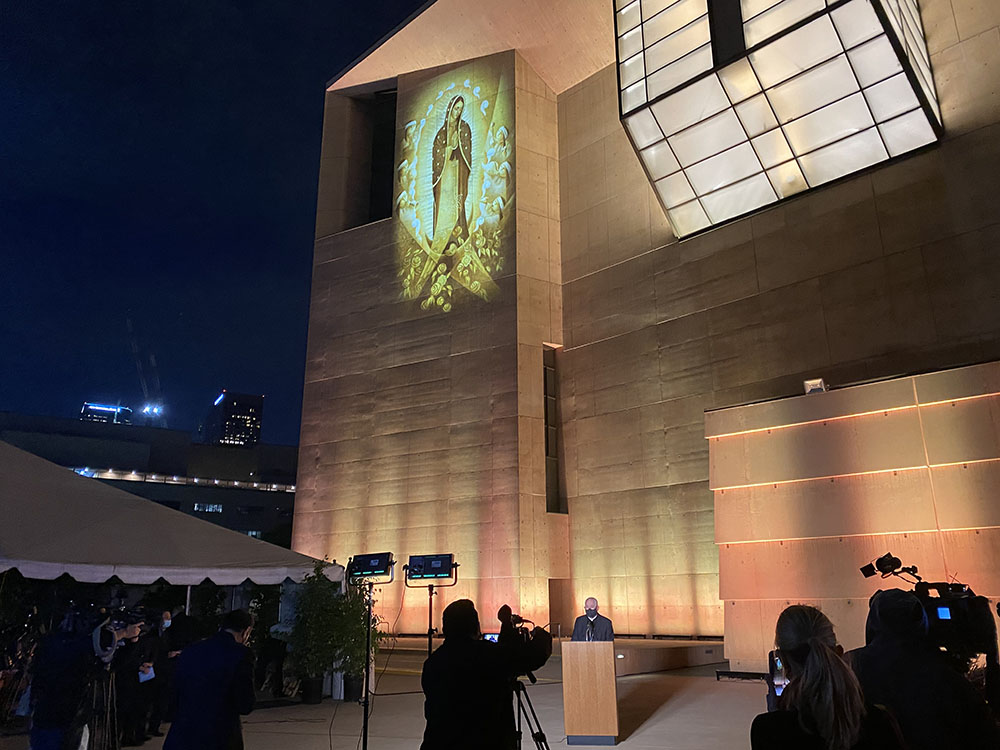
x=898 y=692
x=111 y=687
x=144 y=666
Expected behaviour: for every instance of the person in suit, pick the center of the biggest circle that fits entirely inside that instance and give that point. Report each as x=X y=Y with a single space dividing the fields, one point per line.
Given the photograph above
x=213 y=687
x=592 y=626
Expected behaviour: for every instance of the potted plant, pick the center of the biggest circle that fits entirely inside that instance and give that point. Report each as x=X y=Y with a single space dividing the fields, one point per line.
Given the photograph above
x=314 y=637
x=350 y=628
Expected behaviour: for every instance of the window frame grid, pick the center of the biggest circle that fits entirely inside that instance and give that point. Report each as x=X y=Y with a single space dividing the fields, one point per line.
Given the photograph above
x=900 y=49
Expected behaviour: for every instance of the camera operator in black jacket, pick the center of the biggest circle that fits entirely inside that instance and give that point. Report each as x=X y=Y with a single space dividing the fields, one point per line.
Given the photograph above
x=468 y=682
x=69 y=668
x=936 y=707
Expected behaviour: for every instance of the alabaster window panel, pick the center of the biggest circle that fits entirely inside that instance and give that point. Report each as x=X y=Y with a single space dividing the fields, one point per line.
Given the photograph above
x=817 y=90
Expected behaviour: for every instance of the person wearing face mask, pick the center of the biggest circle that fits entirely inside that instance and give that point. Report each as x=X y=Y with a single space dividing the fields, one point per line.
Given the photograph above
x=164 y=660
x=213 y=687
x=592 y=626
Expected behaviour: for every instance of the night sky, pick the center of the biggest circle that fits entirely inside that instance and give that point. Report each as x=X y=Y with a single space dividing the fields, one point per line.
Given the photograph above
x=158 y=161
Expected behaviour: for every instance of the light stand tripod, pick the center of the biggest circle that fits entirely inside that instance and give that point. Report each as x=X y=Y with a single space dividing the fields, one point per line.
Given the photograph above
x=369 y=600
x=529 y=716
x=430 y=567
x=362 y=571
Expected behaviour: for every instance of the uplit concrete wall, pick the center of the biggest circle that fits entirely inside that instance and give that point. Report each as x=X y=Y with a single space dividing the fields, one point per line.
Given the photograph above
x=890 y=272
x=420 y=429
x=544 y=537
x=808 y=489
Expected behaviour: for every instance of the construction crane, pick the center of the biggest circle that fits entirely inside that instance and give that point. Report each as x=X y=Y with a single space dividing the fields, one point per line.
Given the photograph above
x=152 y=408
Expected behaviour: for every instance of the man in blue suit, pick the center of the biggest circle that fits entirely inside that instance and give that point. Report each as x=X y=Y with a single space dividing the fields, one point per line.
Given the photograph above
x=213 y=687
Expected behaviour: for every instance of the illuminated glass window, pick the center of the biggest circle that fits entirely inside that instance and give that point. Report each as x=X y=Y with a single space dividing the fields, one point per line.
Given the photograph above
x=208 y=508
x=733 y=105
x=254 y=534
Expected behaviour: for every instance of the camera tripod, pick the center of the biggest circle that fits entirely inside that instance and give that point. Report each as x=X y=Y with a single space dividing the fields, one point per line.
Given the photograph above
x=529 y=716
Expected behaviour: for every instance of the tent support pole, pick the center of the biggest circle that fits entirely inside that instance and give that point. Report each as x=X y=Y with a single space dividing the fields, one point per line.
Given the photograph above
x=187 y=604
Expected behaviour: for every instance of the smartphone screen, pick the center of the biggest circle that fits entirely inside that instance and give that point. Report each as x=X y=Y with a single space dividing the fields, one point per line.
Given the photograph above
x=777 y=670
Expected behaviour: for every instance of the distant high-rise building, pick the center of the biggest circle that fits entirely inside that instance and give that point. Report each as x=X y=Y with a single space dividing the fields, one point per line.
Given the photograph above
x=105 y=413
x=235 y=419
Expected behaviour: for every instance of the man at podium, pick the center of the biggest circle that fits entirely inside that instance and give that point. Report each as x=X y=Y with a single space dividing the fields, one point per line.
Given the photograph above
x=592 y=626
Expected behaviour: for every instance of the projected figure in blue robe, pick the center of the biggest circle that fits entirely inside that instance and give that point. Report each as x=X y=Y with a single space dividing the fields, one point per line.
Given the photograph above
x=451 y=166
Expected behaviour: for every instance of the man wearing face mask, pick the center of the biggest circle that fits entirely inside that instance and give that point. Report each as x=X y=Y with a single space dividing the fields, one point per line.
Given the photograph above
x=213 y=687
x=165 y=655
x=592 y=626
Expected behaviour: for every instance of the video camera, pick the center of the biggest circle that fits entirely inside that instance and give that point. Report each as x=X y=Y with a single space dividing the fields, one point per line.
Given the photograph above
x=960 y=622
x=537 y=639
x=104 y=625
x=535 y=645
x=123 y=617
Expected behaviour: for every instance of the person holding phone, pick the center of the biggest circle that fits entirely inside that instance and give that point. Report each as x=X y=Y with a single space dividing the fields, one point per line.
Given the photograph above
x=821 y=707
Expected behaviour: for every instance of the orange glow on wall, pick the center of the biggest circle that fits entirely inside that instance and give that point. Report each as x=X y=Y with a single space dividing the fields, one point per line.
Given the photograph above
x=832 y=522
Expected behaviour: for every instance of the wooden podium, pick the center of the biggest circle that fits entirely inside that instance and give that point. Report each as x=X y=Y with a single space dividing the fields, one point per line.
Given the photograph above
x=590 y=696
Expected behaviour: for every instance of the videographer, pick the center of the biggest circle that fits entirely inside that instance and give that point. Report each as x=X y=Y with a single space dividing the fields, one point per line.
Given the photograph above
x=936 y=707
x=468 y=682
x=68 y=664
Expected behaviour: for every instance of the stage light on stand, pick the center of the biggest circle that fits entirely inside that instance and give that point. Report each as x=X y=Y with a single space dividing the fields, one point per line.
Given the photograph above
x=364 y=571
x=431 y=568
x=368 y=569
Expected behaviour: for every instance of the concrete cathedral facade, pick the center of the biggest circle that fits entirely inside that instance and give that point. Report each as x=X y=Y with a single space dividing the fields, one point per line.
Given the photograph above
x=522 y=220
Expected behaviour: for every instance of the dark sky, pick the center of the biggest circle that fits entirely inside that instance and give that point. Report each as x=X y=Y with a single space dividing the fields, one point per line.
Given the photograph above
x=158 y=160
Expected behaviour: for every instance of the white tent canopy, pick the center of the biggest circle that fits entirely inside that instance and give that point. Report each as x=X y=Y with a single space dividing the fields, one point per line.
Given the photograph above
x=53 y=521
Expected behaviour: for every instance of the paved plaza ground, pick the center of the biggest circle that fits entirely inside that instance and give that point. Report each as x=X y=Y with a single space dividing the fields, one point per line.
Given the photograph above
x=680 y=710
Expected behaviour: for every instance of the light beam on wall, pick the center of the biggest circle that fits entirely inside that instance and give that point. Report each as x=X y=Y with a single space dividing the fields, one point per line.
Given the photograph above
x=728 y=120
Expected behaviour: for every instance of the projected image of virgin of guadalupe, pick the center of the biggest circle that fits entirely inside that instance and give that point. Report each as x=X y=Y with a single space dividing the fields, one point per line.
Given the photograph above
x=451 y=166
x=454 y=199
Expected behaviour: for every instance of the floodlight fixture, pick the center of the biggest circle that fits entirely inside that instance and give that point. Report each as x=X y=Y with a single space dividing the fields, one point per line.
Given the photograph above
x=370 y=568
x=816 y=385
x=364 y=571
x=430 y=570
x=430 y=567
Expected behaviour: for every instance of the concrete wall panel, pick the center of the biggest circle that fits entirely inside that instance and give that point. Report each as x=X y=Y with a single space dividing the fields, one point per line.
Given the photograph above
x=887 y=440
x=804 y=540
